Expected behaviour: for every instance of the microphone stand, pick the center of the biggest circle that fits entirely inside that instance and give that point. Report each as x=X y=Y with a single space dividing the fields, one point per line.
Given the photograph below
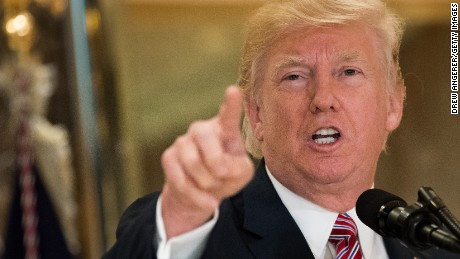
x=428 y=197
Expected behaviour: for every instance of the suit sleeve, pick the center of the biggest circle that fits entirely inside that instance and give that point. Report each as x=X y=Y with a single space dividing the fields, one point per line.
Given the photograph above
x=189 y=245
x=141 y=234
x=136 y=230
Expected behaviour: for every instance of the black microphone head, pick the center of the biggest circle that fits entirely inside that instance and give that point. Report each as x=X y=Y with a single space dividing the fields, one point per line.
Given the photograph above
x=369 y=206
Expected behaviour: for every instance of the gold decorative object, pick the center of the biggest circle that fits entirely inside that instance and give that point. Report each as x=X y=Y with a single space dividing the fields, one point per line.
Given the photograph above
x=20 y=31
x=19 y=26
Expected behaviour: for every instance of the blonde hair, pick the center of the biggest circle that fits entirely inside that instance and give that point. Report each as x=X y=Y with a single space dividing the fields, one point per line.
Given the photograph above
x=273 y=20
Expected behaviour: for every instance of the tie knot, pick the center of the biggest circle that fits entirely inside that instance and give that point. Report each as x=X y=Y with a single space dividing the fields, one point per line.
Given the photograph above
x=344 y=225
x=344 y=236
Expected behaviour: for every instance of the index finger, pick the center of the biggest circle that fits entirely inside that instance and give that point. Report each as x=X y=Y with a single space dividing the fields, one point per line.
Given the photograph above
x=230 y=114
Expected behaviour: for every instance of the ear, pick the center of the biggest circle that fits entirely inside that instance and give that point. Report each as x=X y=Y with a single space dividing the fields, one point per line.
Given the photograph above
x=254 y=115
x=395 y=108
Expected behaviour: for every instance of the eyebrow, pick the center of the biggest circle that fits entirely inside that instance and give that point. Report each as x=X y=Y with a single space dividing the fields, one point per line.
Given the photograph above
x=286 y=62
x=290 y=61
x=301 y=61
x=348 y=56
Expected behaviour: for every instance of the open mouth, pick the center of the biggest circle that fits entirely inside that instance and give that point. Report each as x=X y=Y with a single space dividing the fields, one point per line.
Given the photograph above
x=325 y=136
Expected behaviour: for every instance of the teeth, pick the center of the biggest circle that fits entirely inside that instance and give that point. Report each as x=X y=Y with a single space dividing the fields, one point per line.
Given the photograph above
x=326 y=131
x=326 y=136
x=327 y=140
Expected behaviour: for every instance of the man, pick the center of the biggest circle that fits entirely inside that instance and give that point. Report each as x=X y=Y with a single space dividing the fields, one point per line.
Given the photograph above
x=322 y=90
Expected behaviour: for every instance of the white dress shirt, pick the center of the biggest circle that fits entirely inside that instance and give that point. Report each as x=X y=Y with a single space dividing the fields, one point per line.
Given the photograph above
x=314 y=222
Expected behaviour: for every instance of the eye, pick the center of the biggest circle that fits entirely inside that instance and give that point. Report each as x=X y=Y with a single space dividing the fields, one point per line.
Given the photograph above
x=292 y=77
x=350 y=72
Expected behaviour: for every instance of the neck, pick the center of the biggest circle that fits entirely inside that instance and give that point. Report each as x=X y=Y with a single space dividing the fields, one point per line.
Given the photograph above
x=332 y=198
x=337 y=196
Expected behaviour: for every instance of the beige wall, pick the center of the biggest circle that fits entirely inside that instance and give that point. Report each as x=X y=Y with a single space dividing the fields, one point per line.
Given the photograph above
x=173 y=62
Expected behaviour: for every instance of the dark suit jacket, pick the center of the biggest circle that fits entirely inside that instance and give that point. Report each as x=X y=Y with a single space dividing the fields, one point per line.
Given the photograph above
x=252 y=224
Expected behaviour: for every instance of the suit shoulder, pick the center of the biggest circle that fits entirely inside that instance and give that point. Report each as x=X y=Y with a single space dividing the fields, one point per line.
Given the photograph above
x=141 y=210
x=135 y=231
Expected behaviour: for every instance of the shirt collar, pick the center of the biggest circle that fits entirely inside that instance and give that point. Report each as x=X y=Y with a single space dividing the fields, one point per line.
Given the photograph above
x=316 y=223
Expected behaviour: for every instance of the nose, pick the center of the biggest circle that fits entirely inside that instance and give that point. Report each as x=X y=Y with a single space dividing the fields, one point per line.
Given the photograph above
x=323 y=96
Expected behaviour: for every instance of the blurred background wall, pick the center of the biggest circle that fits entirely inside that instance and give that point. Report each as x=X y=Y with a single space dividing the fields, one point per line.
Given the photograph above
x=158 y=65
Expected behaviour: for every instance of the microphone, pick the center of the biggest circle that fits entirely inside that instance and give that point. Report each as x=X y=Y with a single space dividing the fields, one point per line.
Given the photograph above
x=389 y=215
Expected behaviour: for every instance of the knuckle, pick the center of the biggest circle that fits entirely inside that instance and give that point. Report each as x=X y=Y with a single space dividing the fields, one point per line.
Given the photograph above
x=190 y=160
x=206 y=184
x=201 y=129
x=167 y=155
x=180 y=141
x=214 y=163
x=196 y=126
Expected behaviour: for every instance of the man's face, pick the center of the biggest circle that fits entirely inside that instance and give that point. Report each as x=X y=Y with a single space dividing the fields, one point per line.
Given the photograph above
x=324 y=112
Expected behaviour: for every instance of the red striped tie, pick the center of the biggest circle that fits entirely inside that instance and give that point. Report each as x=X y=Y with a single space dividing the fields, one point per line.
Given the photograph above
x=344 y=236
x=27 y=176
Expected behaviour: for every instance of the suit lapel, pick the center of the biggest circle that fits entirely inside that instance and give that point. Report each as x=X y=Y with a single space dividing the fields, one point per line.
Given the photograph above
x=266 y=217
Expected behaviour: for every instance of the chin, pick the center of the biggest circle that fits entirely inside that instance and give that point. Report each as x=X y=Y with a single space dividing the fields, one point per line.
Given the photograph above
x=328 y=172
x=329 y=177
